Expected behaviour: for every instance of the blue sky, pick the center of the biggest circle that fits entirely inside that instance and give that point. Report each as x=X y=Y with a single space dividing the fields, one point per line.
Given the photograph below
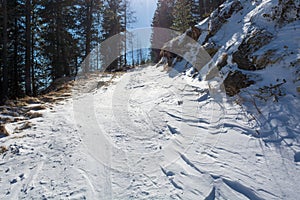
x=144 y=11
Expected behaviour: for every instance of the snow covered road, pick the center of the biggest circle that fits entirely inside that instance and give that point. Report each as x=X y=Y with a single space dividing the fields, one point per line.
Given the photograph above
x=146 y=136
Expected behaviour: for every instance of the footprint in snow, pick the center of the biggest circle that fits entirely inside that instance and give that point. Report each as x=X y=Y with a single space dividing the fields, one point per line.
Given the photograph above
x=297 y=157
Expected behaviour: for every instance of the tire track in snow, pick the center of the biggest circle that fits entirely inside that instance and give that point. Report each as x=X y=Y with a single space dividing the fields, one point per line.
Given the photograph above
x=89 y=182
x=94 y=140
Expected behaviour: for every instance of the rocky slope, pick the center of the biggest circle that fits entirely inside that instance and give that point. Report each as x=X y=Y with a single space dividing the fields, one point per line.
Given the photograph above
x=254 y=46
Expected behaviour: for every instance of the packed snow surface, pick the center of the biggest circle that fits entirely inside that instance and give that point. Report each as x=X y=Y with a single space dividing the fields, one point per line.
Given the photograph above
x=146 y=136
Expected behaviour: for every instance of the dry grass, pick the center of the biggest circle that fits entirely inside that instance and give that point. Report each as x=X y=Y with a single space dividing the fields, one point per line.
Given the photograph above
x=4 y=111
x=26 y=125
x=3 y=149
x=10 y=103
x=47 y=98
x=21 y=104
x=3 y=131
x=20 y=110
x=30 y=100
x=6 y=120
x=32 y=115
x=37 y=107
x=18 y=119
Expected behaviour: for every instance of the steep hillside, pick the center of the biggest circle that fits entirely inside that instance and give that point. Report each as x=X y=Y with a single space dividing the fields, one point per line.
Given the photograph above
x=254 y=35
x=255 y=47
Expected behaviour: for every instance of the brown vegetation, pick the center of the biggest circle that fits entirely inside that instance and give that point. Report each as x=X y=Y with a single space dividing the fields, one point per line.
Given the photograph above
x=3 y=149
x=3 y=131
x=32 y=115
x=27 y=108
x=235 y=81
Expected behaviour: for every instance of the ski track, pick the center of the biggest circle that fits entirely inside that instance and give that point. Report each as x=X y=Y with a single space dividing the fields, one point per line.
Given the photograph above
x=145 y=138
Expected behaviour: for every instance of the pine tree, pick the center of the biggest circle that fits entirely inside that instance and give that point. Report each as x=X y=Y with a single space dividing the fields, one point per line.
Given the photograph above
x=87 y=24
x=13 y=48
x=207 y=6
x=127 y=18
x=43 y=40
x=116 y=18
x=88 y=16
x=4 y=88
x=163 y=18
x=196 y=10
x=182 y=13
x=110 y=26
x=28 y=47
x=58 y=38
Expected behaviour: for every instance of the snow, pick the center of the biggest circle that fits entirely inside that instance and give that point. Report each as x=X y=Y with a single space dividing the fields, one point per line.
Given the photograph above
x=134 y=140
x=153 y=134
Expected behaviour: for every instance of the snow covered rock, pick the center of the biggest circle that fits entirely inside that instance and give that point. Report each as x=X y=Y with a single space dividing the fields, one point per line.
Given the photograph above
x=221 y=15
x=236 y=81
x=286 y=11
x=244 y=55
x=3 y=131
x=254 y=35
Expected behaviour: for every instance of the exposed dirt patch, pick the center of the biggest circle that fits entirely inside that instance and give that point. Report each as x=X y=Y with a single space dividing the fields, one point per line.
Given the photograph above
x=244 y=56
x=235 y=81
x=3 y=131
x=3 y=149
x=29 y=107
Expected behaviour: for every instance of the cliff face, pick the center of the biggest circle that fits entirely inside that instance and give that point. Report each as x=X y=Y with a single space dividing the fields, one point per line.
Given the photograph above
x=250 y=36
x=246 y=37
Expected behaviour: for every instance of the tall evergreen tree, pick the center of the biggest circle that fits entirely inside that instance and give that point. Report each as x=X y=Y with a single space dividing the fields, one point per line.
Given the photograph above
x=196 y=10
x=182 y=14
x=116 y=18
x=41 y=41
x=58 y=39
x=4 y=49
x=28 y=47
x=111 y=26
x=89 y=22
x=127 y=18
x=207 y=6
x=163 y=18
x=13 y=47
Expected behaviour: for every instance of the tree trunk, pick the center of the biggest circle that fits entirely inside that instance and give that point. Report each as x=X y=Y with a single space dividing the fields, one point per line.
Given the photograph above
x=28 y=49
x=125 y=41
x=33 y=63
x=88 y=29
x=5 y=40
x=34 y=91
x=59 y=68
x=132 y=55
x=15 y=62
x=97 y=57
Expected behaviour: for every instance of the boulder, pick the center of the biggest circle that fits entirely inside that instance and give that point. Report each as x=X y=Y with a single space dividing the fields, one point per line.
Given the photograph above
x=235 y=81
x=211 y=48
x=286 y=11
x=222 y=62
x=220 y=16
x=3 y=131
x=244 y=55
